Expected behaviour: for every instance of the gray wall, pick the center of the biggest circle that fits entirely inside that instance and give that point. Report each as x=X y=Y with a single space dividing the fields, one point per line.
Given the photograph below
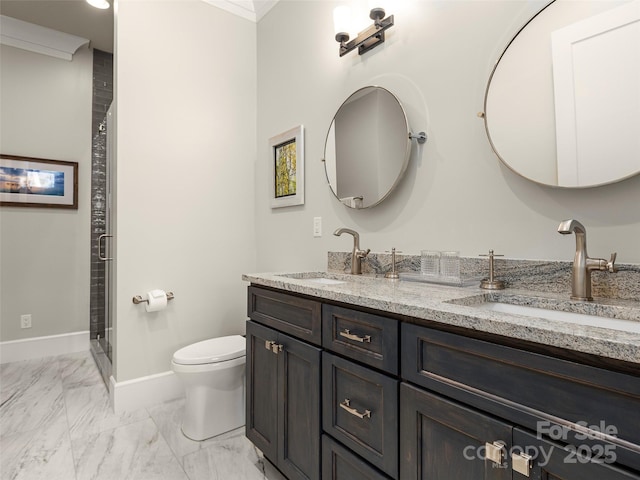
x=44 y=253
x=185 y=90
x=456 y=195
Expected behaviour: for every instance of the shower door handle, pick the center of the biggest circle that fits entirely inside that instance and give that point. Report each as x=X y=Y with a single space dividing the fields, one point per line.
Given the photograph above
x=100 y=256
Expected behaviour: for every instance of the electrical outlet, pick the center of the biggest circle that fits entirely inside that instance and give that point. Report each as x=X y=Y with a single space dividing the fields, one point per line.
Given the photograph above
x=25 y=321
x=317 y=226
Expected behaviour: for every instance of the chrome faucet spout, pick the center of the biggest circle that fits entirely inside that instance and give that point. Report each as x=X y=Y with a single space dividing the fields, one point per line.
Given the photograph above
x=357 y=254
x=582 y=264
x=356 y=235
x=569 y=226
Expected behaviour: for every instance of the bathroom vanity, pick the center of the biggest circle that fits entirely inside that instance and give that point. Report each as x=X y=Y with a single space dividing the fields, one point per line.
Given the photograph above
x=356 y=377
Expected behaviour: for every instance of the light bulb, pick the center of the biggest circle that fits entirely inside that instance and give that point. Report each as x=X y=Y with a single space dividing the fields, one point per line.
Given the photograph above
x=101 y=4
x=341 y=19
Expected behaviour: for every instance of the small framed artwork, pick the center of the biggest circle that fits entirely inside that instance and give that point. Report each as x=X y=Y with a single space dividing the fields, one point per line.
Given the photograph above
x=37 y=182
x=287 y=168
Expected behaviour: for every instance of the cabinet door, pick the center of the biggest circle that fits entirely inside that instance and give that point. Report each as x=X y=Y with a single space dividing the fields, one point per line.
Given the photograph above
x=262 y=389
x=338 y=463
x=440 y=439
x=551 y=461
x=299 y=409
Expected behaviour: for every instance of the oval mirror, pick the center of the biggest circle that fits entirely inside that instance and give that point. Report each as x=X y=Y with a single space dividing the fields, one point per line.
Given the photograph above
x=367 y=148
x=562 y=105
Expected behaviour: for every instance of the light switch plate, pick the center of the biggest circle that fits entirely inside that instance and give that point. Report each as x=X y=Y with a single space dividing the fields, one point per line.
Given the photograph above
x=317 y=226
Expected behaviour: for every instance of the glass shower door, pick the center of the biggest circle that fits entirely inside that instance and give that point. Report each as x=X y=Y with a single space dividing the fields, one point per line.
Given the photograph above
x=101 y=323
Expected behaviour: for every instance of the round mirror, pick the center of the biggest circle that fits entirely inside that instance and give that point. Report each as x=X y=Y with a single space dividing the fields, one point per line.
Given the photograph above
x=367 y=147
x=562 y=105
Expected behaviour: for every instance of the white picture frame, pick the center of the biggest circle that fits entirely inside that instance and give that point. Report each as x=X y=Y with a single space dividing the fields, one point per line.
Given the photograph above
x=286 y=156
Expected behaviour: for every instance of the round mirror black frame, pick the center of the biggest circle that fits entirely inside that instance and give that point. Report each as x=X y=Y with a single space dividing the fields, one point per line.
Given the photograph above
x=365 y=144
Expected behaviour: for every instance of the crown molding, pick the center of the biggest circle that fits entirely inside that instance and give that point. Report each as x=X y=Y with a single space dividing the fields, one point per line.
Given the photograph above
x=252 y=10
x=34 y=38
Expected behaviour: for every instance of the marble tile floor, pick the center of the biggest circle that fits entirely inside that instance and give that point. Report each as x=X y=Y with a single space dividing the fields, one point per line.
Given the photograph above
x=56 y=424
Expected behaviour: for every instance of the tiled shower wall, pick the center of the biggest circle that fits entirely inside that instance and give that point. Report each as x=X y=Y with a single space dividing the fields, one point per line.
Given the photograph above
x=102 y=97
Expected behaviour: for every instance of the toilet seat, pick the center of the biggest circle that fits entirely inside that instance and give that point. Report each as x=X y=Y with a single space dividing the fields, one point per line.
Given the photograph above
x=214 y=350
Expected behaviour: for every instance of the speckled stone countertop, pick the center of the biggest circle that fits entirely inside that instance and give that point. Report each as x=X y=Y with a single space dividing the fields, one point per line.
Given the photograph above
x=458 y=306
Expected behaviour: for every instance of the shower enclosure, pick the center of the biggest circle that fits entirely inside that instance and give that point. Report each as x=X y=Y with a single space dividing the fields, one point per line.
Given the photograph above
x=101 y=324
x=102 y=164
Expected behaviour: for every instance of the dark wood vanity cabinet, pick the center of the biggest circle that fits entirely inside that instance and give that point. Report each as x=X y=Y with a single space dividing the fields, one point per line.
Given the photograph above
x=283 y=400
x=441 y=438
x=341 y=393
x=479 y=410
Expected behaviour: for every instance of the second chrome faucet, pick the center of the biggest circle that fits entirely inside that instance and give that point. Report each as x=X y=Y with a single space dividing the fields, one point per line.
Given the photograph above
x=357 y=254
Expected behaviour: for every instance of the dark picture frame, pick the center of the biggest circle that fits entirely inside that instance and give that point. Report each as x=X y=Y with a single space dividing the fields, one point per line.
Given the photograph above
x=38 y=182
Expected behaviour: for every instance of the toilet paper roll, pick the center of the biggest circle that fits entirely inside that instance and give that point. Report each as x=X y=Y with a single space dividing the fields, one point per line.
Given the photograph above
x=157 y=300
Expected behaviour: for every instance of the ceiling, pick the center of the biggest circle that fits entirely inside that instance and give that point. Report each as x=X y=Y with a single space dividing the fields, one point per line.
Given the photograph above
x=76 y=17
x=79 y=18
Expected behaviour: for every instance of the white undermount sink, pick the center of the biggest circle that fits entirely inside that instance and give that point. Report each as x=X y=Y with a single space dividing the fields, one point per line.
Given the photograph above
x=562 y=316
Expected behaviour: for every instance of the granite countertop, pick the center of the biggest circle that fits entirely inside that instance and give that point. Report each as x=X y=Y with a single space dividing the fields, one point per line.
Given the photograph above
x=457 y=306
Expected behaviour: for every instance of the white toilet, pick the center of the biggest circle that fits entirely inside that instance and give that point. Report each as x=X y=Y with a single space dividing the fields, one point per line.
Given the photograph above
x=212 y=372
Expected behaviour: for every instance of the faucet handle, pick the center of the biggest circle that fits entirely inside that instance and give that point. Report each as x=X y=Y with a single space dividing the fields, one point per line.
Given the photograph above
x=362 y=253
x=611 y=264
x=393 y=275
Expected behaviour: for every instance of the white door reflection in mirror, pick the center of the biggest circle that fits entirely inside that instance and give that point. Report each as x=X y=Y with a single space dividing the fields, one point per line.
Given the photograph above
x=596 y=73
x=595 y=91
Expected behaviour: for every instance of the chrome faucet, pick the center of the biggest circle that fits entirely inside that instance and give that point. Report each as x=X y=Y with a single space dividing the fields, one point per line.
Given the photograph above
x=582 y=264
x=356 y=255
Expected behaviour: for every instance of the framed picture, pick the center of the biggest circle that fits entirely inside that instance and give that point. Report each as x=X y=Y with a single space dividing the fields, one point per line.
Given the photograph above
x=287 y=168
x=36 y=182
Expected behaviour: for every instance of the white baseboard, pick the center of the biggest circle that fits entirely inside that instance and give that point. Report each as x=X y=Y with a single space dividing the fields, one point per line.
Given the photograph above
x=38 y=347
x=144 y=391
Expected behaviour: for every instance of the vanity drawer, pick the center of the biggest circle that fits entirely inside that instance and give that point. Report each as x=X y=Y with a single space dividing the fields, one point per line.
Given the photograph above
x=367 y=338
x=296 y=316
x=360 y=409
x=338 y=463
x=530 y=389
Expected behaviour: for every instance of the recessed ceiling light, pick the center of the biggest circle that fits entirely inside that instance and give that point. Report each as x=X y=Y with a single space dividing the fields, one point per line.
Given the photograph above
x=102 y=4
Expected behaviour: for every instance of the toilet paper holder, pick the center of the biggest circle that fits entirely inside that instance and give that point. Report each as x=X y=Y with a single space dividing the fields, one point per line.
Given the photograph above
x=138 y=298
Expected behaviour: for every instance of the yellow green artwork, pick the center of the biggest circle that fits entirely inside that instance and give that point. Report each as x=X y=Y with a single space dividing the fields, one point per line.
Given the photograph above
x=285 y=171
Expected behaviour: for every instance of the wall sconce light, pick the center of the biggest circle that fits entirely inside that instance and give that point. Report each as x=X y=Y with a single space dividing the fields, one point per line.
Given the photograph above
x=367 y=39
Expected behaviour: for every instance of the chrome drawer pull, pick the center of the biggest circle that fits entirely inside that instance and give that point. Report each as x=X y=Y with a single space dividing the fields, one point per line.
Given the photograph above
x=347 y=334
x=347 y=406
